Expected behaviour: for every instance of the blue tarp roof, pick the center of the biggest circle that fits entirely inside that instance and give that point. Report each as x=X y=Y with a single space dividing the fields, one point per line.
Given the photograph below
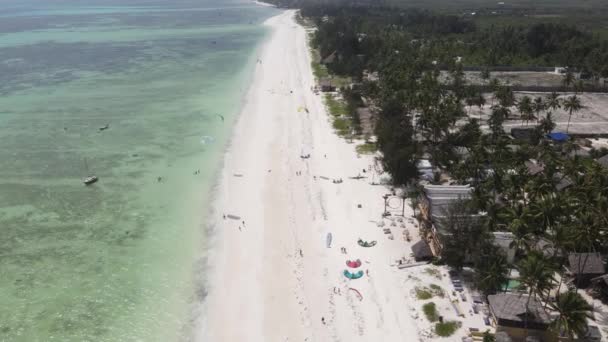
x=558 y=136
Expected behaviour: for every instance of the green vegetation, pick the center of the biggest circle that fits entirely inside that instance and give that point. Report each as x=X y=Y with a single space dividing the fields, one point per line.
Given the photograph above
x=367 y=148
x=319 y=70
x=335 y=106
x=341 y=121
x=446 y=329
x=420 y=114
x=434 y=272
x=424 y=293
x=430 y=311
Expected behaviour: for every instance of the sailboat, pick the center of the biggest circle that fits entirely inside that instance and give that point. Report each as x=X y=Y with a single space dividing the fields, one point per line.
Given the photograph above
x=91 y=178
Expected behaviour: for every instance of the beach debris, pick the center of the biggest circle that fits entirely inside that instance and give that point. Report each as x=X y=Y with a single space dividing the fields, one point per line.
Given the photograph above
x=104 y=127
x=323 y=177
x=328 y=239
x=366 y=243
x=233 y=217
x=357 y=292
x=237 y=175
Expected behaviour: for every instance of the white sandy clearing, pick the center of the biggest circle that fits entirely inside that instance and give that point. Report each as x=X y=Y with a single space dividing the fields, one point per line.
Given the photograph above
x=261 y=287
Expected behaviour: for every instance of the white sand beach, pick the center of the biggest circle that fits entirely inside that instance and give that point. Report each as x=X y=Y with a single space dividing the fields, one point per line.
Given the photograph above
x=272 y=276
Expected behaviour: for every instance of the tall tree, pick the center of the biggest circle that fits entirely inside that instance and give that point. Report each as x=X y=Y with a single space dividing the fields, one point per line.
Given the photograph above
x=572 y=104
x=553 y=101
x=463 y=231
x=538 y=106
x=568 y=79
x=491 y=269
x=536 y=275
x=573 y=312
x=524 y=106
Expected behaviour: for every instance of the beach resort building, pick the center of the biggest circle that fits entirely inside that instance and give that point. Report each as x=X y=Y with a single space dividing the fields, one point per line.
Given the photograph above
x=326 y=86
x=433 y=204
x=509 y=315
x=583 y=267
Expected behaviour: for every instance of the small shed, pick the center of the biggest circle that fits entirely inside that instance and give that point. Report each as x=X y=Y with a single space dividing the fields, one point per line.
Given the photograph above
x=584 y=267
x=422 y=251
x=326 y=85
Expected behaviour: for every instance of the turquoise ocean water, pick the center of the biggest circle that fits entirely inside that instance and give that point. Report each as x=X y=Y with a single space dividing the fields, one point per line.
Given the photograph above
x=121 y=260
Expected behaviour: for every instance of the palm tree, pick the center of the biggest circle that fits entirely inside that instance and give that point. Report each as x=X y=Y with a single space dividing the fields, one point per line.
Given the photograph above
x=491 y=269
x=568 y=79
x=536 y=275
x=538 y=106
x=573 y=313
x=572 y=104
x=519 y=225
x=525 y=109
x=553 y=101
x=546 y=124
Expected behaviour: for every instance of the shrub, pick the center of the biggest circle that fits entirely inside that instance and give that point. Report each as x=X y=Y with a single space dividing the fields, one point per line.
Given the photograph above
x=423 y=293
x=430 y=311
x=445 y=329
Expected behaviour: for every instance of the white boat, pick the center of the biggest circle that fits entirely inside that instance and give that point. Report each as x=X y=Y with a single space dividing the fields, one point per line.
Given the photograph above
x=91 y=178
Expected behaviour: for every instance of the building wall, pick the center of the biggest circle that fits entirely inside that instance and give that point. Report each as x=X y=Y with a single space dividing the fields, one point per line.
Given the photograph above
x=519 y=334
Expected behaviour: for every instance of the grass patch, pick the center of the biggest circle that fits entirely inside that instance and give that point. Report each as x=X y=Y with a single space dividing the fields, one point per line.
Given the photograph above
x=430 y=311
x=319 y=70
x=434 y=272
x=341 y=122
x=437 y=290
x=335 y=107
x=367 y=148
x=423 y=293
x=342 y=126
x=446 y=329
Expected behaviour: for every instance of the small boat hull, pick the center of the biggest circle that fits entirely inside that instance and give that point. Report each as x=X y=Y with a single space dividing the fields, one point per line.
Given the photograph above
x=90 y=180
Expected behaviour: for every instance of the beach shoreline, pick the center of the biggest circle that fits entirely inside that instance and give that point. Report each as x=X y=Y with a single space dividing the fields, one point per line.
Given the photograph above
x=272 y=275
x=269 y=268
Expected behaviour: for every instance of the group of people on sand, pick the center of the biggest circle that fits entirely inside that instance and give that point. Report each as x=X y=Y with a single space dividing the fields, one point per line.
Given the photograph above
x=337 y=181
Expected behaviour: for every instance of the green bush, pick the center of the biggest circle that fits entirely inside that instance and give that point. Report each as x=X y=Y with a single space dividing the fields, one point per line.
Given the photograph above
x=446 y=329
x=423 y=293
x=430 y=311
x=367 y=148
x=437 y=290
